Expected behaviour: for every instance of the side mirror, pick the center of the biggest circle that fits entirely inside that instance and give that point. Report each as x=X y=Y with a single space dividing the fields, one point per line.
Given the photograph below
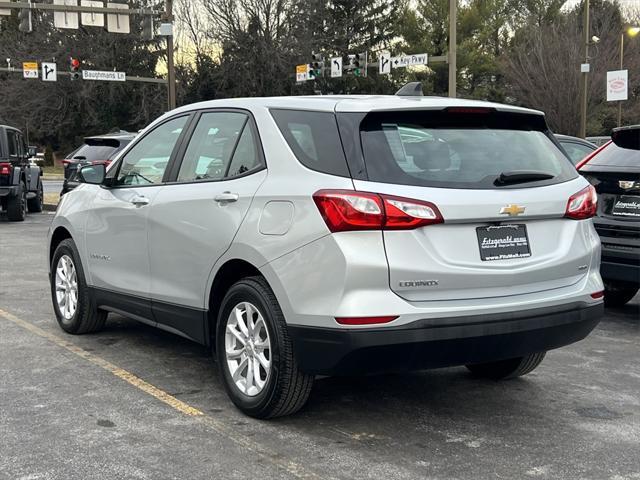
x=32 y=151
x=92 y=174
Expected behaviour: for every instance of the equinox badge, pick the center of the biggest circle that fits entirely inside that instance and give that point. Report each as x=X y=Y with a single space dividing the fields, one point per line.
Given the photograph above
x=512 y=210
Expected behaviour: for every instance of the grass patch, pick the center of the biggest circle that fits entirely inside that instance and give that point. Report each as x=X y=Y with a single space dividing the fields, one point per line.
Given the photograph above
x=51 y=198
x=53 y=170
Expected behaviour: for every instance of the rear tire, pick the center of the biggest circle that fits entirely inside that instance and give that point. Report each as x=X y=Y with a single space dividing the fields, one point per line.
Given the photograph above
x=505 y=369
x=76 y=313
x=17 y=205
x=618 y=294
x=35 y=204
x=280 y=390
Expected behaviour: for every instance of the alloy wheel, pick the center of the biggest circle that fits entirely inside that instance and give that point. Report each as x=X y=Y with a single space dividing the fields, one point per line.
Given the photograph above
x=66 y=281
x=248 y=349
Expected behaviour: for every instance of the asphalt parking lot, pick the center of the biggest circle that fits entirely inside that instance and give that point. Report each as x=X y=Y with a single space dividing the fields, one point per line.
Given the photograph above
x=133 y=402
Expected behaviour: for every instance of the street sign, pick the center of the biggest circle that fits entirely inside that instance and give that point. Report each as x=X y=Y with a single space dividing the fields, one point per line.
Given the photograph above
x=49 y=72
x=617 y=85
x=384 y=63
x=106 y=76
x=118 y=23
x=410 y=60
x=30 y=69
x=92 y=19
x=336 y=67
x=65 y=19
x=585 y=68
x=302 y=73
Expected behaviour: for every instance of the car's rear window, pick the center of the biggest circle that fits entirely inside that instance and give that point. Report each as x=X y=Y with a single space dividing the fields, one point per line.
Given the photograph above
x=314 y=139
x=615 y=156
x=459 y=150
x=95 y=152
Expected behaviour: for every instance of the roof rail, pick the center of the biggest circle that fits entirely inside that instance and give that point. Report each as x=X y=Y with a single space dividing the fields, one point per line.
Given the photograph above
x=411 y=89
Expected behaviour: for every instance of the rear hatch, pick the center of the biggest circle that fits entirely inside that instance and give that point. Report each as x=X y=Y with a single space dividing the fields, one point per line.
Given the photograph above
x=500 y=184
x=614 y=171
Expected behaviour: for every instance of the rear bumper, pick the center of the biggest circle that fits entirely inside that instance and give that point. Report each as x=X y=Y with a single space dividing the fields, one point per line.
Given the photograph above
x=621 y=263
x=8 y=191
x=432 y=343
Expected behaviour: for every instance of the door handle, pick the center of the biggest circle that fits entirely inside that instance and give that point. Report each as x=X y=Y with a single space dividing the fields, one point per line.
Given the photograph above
x=140 y=201
x=226 y=197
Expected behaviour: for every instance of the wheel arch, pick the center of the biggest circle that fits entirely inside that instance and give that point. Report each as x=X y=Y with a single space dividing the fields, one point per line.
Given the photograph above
x=229 y=273
x=59 y=234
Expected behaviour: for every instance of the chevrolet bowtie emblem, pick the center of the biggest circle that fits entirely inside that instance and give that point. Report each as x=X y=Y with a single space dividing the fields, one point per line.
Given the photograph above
x=512 y=210
x=626 y=184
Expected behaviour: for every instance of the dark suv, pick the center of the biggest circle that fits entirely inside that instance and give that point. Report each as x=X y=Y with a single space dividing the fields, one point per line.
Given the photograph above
x=614 y=170
x=95 y=150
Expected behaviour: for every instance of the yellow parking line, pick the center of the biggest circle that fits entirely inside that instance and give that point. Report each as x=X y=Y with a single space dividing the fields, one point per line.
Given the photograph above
x=108 y=366
x=220 y=427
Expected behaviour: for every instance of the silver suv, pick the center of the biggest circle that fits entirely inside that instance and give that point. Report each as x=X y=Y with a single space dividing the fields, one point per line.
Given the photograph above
x=336 y=235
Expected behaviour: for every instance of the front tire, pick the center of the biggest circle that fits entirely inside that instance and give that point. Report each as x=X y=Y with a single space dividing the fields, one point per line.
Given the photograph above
x=618 y=294
x=510 y=368
x=255 y=355
x=69 y=292
x=17 y=205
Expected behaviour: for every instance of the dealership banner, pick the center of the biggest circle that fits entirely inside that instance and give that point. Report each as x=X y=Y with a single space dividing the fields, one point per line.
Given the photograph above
x=617 y=85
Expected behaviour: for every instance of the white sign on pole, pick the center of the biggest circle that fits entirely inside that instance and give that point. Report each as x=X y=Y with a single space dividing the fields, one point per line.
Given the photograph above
x=5 y=11
x=118 y=23
x=384 y=63
x=410 y=60
x=49 y=72
x=92 y=19
x=106 y=76
x=617 y=85
x=302 y=73
x=30 y=69
x=65 y=19
x=336 y=67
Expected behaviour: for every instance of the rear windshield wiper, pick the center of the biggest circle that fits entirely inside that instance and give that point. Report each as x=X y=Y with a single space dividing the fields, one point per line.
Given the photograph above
x=521 y=176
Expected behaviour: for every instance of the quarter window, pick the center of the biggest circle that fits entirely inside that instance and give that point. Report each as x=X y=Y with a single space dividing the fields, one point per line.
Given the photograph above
x=147 y=161
x=13 y=143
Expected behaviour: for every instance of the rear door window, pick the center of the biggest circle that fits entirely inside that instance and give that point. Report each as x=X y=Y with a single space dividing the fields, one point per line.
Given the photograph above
x=215 y=140
x=12 y=139
x=314 y=139
x=467 y=150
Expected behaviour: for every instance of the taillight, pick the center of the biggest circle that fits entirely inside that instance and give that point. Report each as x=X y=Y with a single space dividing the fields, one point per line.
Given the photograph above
x=586 y=159
x=100 y=162
x=348 y=210
x=65 y=163
x=365 y=320
x=5 y=168
x=583 y=204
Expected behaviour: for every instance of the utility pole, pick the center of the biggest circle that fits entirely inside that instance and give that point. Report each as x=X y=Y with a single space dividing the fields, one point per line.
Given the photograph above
x=585 y=73
x=171 y=71
x=453 y=13
x=621 y=67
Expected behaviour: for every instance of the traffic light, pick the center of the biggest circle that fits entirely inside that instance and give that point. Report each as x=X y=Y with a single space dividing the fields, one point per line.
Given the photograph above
x=357 y=64
x=24 y=20
x=74 y=68
x=146 y=25
x=316 y=66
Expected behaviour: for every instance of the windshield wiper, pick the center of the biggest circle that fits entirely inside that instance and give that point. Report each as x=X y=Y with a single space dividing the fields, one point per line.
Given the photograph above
x=521 y=176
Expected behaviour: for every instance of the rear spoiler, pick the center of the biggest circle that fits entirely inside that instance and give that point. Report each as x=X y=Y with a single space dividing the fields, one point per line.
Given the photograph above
x=97 y=141
x=627 y=137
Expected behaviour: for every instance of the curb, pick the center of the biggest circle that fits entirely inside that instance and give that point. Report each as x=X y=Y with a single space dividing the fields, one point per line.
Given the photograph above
x=52 y=177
